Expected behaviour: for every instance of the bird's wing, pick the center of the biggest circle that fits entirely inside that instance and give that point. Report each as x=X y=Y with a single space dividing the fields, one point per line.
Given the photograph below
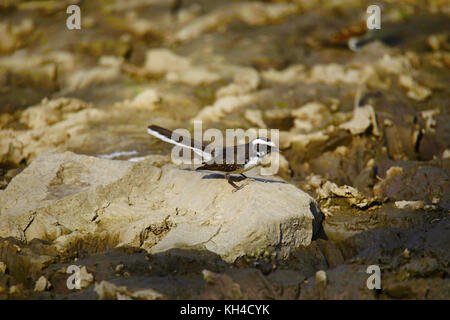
x=179 y=140
x=228 y=159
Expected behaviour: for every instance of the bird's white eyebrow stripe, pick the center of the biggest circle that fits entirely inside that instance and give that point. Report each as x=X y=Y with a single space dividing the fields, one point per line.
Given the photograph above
x=156 y=134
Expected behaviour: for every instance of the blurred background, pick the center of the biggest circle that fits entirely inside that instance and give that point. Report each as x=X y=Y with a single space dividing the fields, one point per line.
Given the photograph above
x=350 y=104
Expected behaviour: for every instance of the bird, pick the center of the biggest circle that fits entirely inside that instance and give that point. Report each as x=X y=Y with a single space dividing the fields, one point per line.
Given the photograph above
x=227 y=160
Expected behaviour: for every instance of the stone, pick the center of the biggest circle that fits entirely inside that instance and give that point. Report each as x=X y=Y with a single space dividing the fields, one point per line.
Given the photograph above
x=148 y=294
x=221 y=286
x=109 y=291
x=245 y=80
x=415 y=90
x=177 y=68
x=321 y=277
x=62 y=124
x=49 y=112
x=146 y=99
x=309 y=116
x=293 y=73
x=252 y=13
x=413 y=205
x=66 y=198
x=85 y=277
x=224 y=105
x=415 y=186
x=352 y=195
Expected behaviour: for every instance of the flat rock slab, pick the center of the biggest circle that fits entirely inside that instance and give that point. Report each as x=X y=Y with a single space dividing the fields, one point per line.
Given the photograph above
x=67 y=198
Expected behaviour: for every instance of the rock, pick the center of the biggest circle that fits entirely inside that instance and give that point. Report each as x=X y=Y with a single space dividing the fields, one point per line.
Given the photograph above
x=331 y=74
x=321 y=282
x=394 y=171
x=193 y=76
x=177 y=68
x=71 y=124
x=148 y=294
x=85 y=277
x=223 y=106
x=258 y=13
x=291 y=74
x=31 y=70
x=141 y=27
x=109 y=291
x=119 y=267
x=309 y=116
x=429 y=118
x=301 y=141
x=12 y=35
x=436 y=41
x=161 y=61
x=221 y=286
x=406 y=253
x=255 y=117
x=276 y=163
x=46 y=7
x=51 y=123
x=146 y=99
x=67 y=198
x=415 y=181
x=338 y=284
x=245 y=80
x=405 y=134
x=363 y=118
x=49 y=112
x=394 y=64
x=202 y=24
x=3 y=268
x=185 y=15
x=352 y=195
x=42 y=284
x=415 y=90
x=252 y=13
x=84 y=78
x=321 y=277
x=334 y=73
x=286 y=282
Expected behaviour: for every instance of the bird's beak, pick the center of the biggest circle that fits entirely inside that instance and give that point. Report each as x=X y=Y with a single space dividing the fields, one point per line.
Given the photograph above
x=276 y=149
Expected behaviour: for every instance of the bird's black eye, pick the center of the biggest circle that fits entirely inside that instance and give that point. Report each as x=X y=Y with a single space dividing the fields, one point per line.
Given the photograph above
x=257 y=147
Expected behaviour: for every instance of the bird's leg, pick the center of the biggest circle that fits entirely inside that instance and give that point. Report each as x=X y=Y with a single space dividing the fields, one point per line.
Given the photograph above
x=244 y=177
x=229 y=179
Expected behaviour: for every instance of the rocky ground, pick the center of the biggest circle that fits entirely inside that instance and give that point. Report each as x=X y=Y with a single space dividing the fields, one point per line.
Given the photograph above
x=364 y=173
